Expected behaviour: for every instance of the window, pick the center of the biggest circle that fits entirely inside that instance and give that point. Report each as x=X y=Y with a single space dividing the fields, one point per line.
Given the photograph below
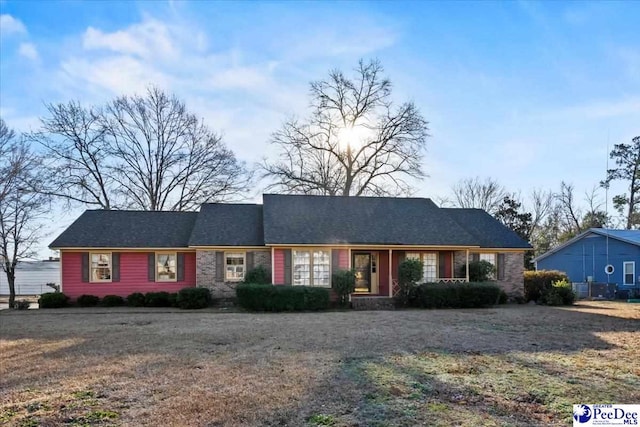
x=234 y=266
x=490 y=258
x=629 y=268
x=429 y=264
x=311 y=268
x=166 y=267
x=100 y=267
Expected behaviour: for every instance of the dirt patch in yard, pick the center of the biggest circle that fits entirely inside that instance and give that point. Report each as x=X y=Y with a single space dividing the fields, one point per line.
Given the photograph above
x=512 y=365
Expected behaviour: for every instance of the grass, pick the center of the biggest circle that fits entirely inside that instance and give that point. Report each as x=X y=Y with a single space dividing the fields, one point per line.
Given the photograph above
x=512 y=365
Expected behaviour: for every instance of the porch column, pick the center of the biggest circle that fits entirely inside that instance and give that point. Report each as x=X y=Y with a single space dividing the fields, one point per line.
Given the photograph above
x=390 y=275
x=273 y=265
x=467 y=265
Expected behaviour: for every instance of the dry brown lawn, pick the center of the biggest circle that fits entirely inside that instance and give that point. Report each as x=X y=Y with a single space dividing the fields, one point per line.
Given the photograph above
x=512 y=365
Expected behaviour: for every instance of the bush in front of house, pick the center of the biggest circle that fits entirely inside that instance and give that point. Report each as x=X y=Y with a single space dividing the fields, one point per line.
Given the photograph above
x=536 y=283
x=158 y=299
x=560 y=293
x=409 y=274
x=456 y=295
x=257 y=297
x=344 y=283
x=87 y=300
x=258 y=275
x=193 y=298
x=479 y=271
x=53 y=300
x=136 y=299
x=112 y=301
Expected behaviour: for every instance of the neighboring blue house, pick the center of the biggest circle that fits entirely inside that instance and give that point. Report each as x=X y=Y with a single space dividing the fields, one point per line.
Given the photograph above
x=585 y=257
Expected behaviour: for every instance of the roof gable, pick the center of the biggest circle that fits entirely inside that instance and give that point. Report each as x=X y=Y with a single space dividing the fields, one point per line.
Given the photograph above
x=488 y=231
x=221 y=224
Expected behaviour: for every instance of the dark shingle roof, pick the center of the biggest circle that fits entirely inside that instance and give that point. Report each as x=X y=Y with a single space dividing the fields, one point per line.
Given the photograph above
x=359 y=220
x=221 y=224
x=128 y=229
x=488 y=231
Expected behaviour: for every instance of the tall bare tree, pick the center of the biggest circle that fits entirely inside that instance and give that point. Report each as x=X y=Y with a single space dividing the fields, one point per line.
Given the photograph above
x=485 y=194
x=627 y=158
x=138 y=152
x=355 y=141
x=20 y=206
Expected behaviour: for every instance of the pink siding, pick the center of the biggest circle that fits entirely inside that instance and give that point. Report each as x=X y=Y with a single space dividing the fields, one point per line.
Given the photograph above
x=133 y=276
x=383 y=273
x=278 y=267
x=343 y=259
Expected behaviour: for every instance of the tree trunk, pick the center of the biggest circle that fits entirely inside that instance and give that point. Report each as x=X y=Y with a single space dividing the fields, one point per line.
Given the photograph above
x=11 y=279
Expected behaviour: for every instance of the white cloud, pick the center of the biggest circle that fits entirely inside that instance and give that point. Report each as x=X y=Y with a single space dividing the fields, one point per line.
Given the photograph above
x=11 y=25
x=29 y=51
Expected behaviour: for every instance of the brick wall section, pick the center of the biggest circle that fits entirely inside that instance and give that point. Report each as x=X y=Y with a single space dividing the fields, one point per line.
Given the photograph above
x=513 y=281
x=206 y=273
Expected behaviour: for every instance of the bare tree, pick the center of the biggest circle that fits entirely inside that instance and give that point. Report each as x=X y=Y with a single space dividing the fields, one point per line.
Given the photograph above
x=571 y=213
x=20 y=206
x=627 y=158
x=355 y=141
x=138 y=152
x=485 y=194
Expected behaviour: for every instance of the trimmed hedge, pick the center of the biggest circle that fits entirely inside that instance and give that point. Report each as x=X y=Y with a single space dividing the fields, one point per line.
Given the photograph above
x=87 y=300
x=536 y=283
x=258 y=297
x=560 y=293
x=193 y=298
x=112 y=301
x=456 y=295
x=258 y=275
x=136 y=299
x=159 y=299
x=53 y=300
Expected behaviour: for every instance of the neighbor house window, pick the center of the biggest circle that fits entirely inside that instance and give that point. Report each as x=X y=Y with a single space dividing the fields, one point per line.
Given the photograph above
x=166 y=267
x=629 y=272
x=100 y=267
x=429 y=264
x=234 y=266
x=311 y=268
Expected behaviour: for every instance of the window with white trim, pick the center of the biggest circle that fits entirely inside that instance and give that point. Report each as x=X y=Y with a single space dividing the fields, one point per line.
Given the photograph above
x=629 y=271
x=311 y=267
x=429 y=264
x=490 y=258
x=166 y=267
x=234 y=266
x=100 y=270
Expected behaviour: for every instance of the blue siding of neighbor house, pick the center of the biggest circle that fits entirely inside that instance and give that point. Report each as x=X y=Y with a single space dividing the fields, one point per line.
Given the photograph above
x=588 y=257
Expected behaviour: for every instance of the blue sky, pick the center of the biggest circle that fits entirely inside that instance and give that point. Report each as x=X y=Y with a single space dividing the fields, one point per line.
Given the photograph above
x=528 y=93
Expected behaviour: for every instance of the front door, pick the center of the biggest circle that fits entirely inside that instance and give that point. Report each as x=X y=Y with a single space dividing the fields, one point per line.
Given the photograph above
x=362 y=267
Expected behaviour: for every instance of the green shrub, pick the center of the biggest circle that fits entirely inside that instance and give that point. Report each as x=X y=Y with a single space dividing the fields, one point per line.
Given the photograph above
x=173 y=299
x=258 y=275
x=479 y=271
x=157 y=299
x=344 y=283
x=503 y=298
x=112 y=301
x=457 y=295
x=560 y=293
x=537 y=282
x=136 y=299
x=281 y=298
x=87 y=300
x=409 y=274
x=21 y=305
x=193 y=298
x=53 y=300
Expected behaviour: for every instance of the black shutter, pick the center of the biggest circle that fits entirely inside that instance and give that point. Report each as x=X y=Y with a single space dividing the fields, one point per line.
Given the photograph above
x=475 y=257
x=115 y=267
x=151 y=267
x=180 y=266
x=84 y=256
x=249 y=260
x=335 y=261
x=219 y=266
x=287 y=266
x=501 y=266
x=442 y=264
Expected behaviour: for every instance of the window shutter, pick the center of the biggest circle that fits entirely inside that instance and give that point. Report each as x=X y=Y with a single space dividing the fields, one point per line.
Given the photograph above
x=249 y=261
x=151 y=267
x=115 y=267
x=335 y=261
x=475 y=257
x=501 y=266
x=180 y=266
x=442 y=264
x=287 y=266
x=84 y=256
x=219 y=266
